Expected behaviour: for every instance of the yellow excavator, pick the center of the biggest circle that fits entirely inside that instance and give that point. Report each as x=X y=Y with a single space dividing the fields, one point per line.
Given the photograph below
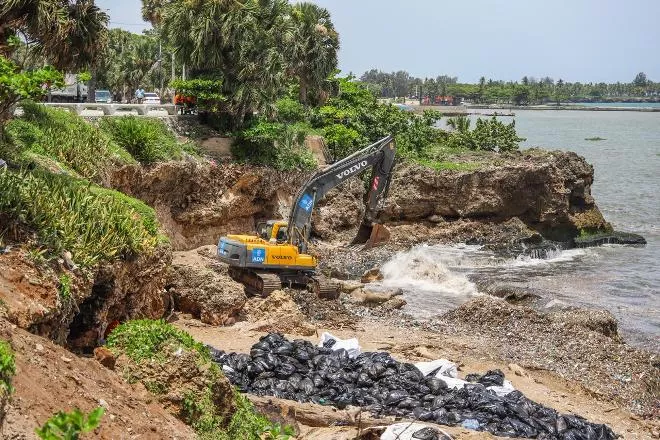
x=277 y=255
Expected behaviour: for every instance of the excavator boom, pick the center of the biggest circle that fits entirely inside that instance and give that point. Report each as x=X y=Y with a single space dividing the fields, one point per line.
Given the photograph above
x=380 y=157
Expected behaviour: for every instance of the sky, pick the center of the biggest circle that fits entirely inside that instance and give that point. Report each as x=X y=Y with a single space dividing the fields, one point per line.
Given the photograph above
x=576 y=40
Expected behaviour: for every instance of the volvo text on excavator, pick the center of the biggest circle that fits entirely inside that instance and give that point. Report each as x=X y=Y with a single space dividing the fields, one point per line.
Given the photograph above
x=278 y=256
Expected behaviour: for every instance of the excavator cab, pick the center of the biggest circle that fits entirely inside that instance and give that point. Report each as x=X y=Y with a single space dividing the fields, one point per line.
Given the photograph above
x=273 y=231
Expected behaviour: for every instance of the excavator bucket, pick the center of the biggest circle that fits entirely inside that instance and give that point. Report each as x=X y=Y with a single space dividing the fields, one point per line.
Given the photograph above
x=371 y=235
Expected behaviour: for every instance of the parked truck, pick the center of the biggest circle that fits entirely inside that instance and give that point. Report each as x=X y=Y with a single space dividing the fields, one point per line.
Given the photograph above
x=73 y=91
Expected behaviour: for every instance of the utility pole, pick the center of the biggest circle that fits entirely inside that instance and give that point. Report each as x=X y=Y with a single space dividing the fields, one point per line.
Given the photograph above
x=173 y=69
x=160 y=66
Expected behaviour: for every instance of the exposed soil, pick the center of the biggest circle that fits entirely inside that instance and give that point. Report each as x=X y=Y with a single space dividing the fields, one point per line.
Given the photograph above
x=472 y=353
x=51 y=379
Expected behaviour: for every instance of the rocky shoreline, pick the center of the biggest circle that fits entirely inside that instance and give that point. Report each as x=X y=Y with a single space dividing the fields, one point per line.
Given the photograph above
x=511 y=204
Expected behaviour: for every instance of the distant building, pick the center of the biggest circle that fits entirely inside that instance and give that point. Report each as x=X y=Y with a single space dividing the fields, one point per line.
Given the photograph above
x=441 y=100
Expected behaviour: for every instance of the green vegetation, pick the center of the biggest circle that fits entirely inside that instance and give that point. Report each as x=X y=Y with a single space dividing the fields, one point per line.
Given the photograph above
x=148 y=140
x=276 y=144
x=52 y=137
x=16 y=86
x=200 y=413
x=145 y=338
x=153 y=340
x=64 y=288
x=7 y=370
x=528 y=90
x=93 y=223
x=69 y=426
x=595 y=138
x=488 y=135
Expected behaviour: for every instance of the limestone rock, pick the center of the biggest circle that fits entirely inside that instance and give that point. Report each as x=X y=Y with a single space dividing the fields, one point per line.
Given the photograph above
x=371 y=275
x=208 y=294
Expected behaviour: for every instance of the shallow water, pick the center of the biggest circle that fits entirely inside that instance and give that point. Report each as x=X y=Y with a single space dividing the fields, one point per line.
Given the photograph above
x=623 y=280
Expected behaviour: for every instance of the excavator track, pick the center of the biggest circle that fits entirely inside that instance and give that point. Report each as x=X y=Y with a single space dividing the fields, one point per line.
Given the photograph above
x=324 y=288
x=257 y=283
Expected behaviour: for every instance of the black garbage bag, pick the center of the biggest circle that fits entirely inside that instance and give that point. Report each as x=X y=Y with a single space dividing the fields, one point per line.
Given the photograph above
x=306 y=386
x=257 y=352
x=472 y=377
x=318 y=381
x=240 y=362
x=295 y=380
x=285 y=348
x=262 y=345
x=427 y=433
x=364 y=380
x=492 y=378
x=375 y=381
x=254 y=369
x=436 y=386
x=284 y=370
x=423 y=414
x=272 y=361
x=375 y=369
x=396 y=396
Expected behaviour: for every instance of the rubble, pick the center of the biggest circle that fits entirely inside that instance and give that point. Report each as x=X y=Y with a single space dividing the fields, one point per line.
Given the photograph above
x=302 y=372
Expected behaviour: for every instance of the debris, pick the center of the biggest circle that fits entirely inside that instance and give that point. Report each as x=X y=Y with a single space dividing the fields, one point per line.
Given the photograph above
x=351 y=346
x=298 y=370
x=39 y=347
x=66 y=359
x=371 y=275
x=414 y=431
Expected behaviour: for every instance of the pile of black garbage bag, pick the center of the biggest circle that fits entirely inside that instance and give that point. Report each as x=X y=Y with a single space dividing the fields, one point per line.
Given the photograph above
x=298 y=370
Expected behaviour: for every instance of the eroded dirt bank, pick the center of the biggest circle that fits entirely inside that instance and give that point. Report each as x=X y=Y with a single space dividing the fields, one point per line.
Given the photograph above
x=507 y=201
x=550 y=192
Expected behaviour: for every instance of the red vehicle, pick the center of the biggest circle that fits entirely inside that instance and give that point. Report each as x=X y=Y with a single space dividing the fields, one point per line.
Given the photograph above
x=185 y=104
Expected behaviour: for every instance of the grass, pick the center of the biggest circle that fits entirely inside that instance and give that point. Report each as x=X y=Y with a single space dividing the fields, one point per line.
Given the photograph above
x=7 y=369
x=246 y=423
x=64 y=289
x=148 y=140
x=93 y=223
x=53 y=138
x=146 y=338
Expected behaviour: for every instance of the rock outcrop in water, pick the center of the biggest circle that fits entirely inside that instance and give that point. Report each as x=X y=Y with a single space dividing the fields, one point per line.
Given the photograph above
x=550 y=192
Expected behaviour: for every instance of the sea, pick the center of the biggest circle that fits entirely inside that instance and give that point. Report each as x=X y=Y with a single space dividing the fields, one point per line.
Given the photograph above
x=624 y=280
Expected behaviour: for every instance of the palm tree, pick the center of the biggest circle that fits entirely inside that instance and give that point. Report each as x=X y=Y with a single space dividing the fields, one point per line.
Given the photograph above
x=69 y=34
x=241 y=43
x=314 y=47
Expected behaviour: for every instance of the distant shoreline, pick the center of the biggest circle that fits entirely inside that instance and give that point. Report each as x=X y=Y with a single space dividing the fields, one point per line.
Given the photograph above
x=506 y=110
x=565 y=107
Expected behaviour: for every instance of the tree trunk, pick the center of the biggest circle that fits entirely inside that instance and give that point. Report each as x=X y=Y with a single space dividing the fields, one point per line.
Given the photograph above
x=302 y=96
x=91 y=88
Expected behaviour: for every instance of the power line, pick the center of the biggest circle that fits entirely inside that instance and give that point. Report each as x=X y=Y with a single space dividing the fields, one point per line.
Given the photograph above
x=130 y=24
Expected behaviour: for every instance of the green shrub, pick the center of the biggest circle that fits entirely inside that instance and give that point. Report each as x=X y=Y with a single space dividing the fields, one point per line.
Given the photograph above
x=93 y=223
x=342 y=140
x=290 y=110
x=147 y=139
x=7 y=369
x=281 y=146
x=145 y=338
x=488 y=135
x=69 y=426
x=63 y=137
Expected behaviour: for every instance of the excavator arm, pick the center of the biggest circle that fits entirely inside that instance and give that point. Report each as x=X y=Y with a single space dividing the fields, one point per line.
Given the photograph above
x=380 y=157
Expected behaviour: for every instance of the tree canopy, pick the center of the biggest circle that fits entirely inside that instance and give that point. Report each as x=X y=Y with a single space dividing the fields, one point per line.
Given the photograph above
x=69 y=35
